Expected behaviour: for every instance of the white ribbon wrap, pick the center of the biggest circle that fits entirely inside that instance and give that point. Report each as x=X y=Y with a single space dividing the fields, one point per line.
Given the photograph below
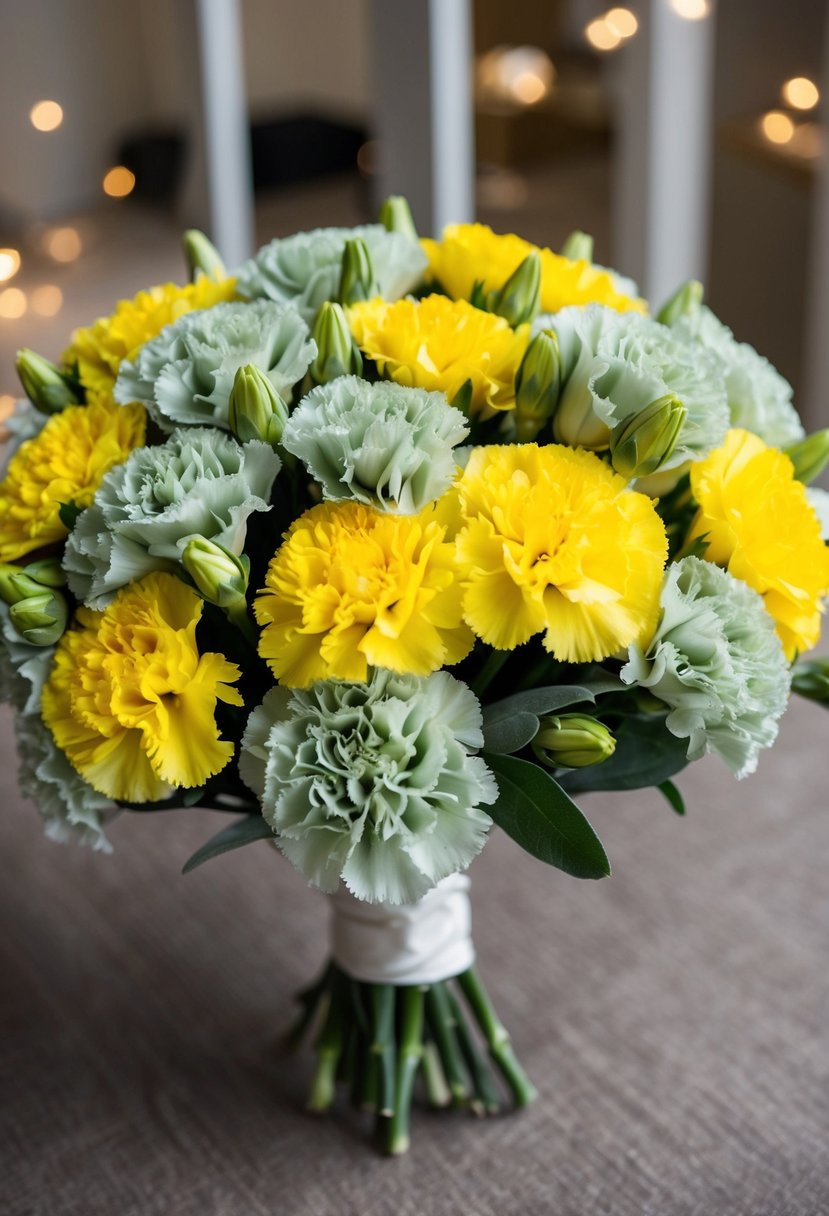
x=420 y=943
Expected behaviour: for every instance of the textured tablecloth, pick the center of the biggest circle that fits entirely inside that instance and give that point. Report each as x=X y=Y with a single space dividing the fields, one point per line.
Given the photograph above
x=674 y=1018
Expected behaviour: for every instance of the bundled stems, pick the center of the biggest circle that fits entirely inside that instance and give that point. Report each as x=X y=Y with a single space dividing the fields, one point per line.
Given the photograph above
x=377 y=1039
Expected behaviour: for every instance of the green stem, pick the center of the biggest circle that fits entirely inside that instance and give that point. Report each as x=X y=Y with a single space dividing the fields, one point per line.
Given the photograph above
x=382 y=1006
x=329 y=1048
x=497 y=1038
x=438 y=1092
x=489 y=671
x=311 y=1000
x=482 y=1078
x=442 y=1026
x=240 y=617
x=408 y=1062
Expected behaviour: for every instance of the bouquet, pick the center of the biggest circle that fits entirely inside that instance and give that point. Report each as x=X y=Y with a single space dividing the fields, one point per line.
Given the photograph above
x=377 y=543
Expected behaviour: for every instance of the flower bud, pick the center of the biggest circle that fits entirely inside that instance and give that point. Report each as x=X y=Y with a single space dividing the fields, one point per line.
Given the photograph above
x=572 y=741
x=202 y=256
x=810 y=457
x=810 y=679
x=578 y=247
x=337 y=353
x=44 y=384
x=396 y=216
x=519 y=300
x=18 y=582
x=683 y=303
x=255 y=408
x=537 y=385
x=220 y=576
x=41 y=618
x=642 y=444
x=357 y=281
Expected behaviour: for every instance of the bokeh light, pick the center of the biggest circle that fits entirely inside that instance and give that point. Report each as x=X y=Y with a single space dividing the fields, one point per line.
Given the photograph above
x=691 y=10
x=63 y=244
x=47 y=300
x=601 y=35
x=523 y=74
x=119 y=182
x=46 y=116
x=801 y=93
x=13 y=303
x=621 y=21
x=9 y=264
x=777 y=127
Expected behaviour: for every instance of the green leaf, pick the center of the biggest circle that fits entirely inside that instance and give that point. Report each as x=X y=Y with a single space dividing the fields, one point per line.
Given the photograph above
x=244 y=831
x=675 y=799
x=512 y=723
x=646 y=754
x=506 y=735
x=68 y=513
x=534 y=810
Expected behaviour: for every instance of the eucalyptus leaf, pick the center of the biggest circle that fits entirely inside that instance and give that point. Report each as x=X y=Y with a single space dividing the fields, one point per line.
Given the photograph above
x=673 y=796
x=244 y=831
x=646 y=754
x=68 y=512
x=510 y=734
x=535 y=811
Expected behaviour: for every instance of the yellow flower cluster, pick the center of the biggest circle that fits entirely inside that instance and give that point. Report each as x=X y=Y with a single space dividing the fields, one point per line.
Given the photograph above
x=64 y=463
x=473 y=253
x=440 y=344
x=757 y=522
x=131 y=701
x=555 y=541
x=352 y=587
x=100 y=349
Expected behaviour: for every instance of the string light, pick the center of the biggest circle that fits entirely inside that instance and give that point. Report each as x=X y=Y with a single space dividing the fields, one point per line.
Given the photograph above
x=119 y=182
x=63 y=244
x=801 y=93
x=691 y=10
x=777 y=127
x=9 y=264
x=601 y=35
x=13 y=303
x=47 y=300
x=46 y=116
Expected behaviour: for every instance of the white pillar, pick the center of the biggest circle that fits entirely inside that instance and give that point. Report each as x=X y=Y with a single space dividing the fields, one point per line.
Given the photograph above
x=815 y=404
x=423 y=116
x=662 y=165
x=226 y=131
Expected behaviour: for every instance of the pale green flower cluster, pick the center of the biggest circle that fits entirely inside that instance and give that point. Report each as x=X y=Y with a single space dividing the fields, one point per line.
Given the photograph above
x=200 y=483
x=759 y=399
x=23 y=423
x=380 y=444
x=185 y=375
x=614 y=365
x=304 y=269
x=373 y=784
x=820 y=505
x=717 y=662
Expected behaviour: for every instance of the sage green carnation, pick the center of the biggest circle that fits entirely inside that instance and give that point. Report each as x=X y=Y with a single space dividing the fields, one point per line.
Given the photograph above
x=380 y=444
x=304 y=269
x=819 y=500
x=717 y=662
x=24 y=668
x=759 y=398
x=185 y=375
x=200 y=483
x=614 y=365
x=373 y=784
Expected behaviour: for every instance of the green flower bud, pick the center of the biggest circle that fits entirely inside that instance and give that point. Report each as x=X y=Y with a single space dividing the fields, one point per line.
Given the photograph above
x=810 y=457
x=810 y=679
x=221 y=577
x=683 y=303
x=255 y=409
x=44 y=384
x=41 y=618
x=572 y=741
x=578 y=247
x=202 y=256
x=48 y=572
x=357 y=281
x=19 y=582
x=537 y=385
x=643 y=443
x=337 y=353
x=396 y=216
x=519 y=300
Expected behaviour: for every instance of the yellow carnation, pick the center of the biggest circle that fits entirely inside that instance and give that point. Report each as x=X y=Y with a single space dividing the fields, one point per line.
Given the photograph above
x=64 y=463
x=352 y=587
x=100 y=349
x=439 y=344
x=473 y=253
x=555 y=541
x=131 y=701
x=758 y=524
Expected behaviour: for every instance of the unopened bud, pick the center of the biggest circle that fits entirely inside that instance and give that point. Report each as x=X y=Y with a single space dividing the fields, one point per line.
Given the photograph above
x=537 y=385
x=572 y=741
x=19 y=582
x=642 y=444
x=357 y=281
x=255 y=409
x=41 y=618
x=202 y=256
x=809 y=457
x=683 y=303
x=519 y=300
x=578 y=247
x=396 y=216
x=810 y=679
x=221 y=577
x=44 y=383
x=337 y=353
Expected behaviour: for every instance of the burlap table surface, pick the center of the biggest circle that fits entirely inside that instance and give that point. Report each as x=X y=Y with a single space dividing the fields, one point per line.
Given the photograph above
x=674 y=1018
